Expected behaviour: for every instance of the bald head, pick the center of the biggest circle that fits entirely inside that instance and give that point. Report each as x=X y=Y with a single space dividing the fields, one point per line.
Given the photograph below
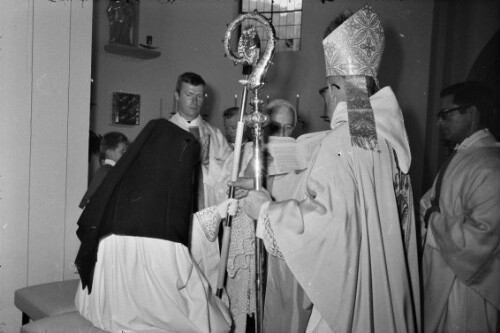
x=283 y=118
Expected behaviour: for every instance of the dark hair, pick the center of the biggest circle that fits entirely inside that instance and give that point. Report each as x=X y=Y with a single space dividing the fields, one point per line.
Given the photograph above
x=473 y=93
x=94 y=143
x=230 y=112
x=189 y=77
x=111 y=140
x=371 y=85
x=338 y=21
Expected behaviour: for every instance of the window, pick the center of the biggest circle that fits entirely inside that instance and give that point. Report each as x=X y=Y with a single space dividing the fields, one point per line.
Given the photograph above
x=284 y=15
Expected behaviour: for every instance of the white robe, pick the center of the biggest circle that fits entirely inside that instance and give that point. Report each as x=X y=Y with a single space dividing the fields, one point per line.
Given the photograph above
x=345 y=242
x=150 y=285
x=461 y=262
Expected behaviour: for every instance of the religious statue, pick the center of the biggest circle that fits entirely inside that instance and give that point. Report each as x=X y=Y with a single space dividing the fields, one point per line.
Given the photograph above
x=121 y=20
x=249 y=45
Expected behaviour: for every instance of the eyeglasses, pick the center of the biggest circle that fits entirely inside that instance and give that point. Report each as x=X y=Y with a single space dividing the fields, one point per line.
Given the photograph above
x=324 y=89
x=443 y=113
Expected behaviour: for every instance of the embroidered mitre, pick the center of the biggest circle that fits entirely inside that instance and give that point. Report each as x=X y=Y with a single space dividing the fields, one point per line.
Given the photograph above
x=356 y=46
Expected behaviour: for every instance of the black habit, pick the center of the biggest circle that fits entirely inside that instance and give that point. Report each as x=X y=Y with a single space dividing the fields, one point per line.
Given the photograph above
x=148 y=193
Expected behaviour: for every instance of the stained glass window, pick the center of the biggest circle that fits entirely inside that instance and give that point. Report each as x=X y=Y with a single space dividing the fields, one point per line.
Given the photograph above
x=284 y=15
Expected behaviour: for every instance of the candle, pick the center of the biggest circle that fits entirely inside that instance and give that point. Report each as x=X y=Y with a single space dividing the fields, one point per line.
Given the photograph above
x=297 y=103
x=235 y=99
x=267 y=99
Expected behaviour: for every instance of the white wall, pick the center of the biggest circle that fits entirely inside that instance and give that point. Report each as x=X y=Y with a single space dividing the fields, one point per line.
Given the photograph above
x=15 y=140
x=45 y=55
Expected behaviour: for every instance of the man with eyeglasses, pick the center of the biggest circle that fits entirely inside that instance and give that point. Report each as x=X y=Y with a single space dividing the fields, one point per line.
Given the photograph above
x=461 y=214
x=189 y=96
x=351 y=242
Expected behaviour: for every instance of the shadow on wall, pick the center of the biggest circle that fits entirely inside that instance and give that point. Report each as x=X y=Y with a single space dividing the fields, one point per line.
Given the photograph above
x=486 y=69
x=392 y=59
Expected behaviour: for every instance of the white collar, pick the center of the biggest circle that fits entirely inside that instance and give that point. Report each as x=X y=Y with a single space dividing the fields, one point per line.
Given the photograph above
x=186 y=124
x=107 y=161
x=469 y=141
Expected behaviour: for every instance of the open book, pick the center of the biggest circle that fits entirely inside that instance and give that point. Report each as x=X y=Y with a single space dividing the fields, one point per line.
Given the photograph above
x=289 y=154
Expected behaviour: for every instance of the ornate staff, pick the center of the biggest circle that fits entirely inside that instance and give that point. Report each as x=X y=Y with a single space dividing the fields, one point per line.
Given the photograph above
x=248 y=54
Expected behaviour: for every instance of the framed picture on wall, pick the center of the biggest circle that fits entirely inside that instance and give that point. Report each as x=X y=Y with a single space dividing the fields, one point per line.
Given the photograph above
x=126 y=108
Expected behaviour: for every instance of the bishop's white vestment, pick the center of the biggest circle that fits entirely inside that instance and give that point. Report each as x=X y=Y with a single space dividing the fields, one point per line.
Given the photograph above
x=351 y=242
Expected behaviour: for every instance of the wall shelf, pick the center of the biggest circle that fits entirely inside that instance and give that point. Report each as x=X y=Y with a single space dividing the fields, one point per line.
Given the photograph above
x=131 y=51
